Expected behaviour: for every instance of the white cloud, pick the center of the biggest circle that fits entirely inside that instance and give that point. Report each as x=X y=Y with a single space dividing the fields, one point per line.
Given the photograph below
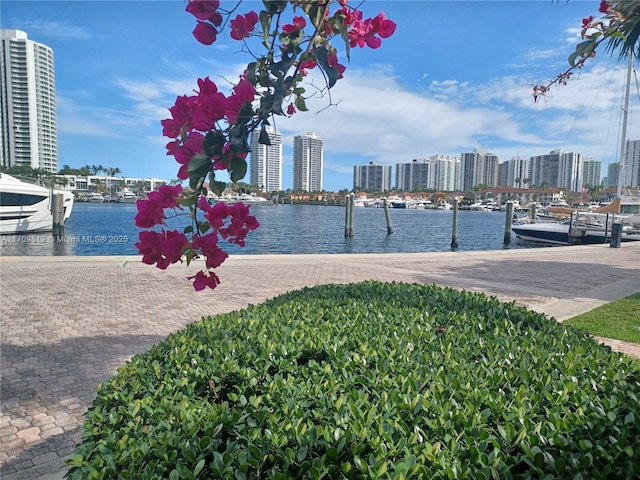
x=55 y=29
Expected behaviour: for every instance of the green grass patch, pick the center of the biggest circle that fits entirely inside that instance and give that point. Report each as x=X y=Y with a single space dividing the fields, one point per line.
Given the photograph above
x=619 y=320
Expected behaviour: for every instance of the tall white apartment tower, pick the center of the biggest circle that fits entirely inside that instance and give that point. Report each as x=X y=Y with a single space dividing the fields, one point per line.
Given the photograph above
x=308 y=162
x=27 y=103
x=591 y=172
x=266 y=161
x=630 y=171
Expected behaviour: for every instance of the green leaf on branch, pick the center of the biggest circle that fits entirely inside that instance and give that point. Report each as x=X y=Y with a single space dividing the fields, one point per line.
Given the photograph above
x=199 y=166
x=275 y=6
x=203 y=226
x=322 y=57
x=264 y=139
x=337 y=24
x=265 y=21
x=300 y=104
x=237 y=169
x=190 y=254
x=217 y=187
x=583 y=50
x=213 y=143
x=187 y=200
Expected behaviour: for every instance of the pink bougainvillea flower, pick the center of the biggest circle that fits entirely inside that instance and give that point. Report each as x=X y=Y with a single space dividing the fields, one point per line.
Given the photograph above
x=383 y=26
x=308 y=65
x=166 y=196
x=206 y=86
x=149 y=214
x=180 y=118
x=202 y=280
x=243 y=25
x=205 y=33
x=291 y=109
x=244 y=91
x=183 y=153
x=205 y=10
x=215 y=214
x=605 y=7
x=208 y=245
x=587 y=21
x=162 y=248
x=298 y=24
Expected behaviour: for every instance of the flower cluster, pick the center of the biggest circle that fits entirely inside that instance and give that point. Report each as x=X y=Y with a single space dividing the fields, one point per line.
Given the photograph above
x=617 y=21
x=364 y=31
x=201 y=113
x=210 y=130
x=231 y=223
x=206 y=11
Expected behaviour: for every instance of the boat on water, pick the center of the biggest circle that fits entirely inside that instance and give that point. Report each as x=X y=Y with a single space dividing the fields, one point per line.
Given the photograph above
x=95 y=197
x=126 y=196
x=580 y=228
x=26 y=207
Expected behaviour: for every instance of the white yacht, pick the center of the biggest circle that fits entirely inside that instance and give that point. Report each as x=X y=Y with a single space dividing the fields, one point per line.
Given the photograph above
x=95 y=197
x=126 y=196
x=26 y=207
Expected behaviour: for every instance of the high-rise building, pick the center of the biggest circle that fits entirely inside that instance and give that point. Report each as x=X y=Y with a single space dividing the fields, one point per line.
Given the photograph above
x=438 y=172
x=516 y=173
x=591 y=172
x=416 y=175
x=631 y=164
x=372 y=177
x=479 y=167
x=308 y=162
x=570 y=171
x=447 y=173
x=27 y=103
x=266 y=161
x=613 y=174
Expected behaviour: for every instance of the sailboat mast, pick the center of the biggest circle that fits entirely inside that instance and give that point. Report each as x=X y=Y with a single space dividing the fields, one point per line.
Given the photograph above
x=623 y=140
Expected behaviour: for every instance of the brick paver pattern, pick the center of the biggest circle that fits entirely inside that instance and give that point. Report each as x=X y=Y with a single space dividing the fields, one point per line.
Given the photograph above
x=69 y=325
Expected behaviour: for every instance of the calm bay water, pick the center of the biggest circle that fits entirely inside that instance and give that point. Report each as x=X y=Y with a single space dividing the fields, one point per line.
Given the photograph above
x=108 y=229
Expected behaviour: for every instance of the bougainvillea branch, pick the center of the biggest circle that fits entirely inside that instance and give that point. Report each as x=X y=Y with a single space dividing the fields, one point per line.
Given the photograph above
x=619 y=26
x=210 y=130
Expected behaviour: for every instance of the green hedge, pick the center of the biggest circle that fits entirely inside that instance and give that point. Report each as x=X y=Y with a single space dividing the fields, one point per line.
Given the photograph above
x=368 y=380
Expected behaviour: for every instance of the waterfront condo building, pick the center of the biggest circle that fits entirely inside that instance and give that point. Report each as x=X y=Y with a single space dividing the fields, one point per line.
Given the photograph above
x=515 y=173
x=372 y=177
x=266 y=161
x=613 y=173
x=479 y=167
x=630 y=170
x=438 y=172
x=27 y=103
x=557 y=169
x=591 y=172
x=308 y=162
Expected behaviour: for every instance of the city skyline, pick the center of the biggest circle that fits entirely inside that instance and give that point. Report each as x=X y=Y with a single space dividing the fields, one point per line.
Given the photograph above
x=413 y=96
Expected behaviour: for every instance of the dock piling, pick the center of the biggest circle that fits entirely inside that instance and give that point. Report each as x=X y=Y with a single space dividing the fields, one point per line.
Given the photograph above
x=454 y=230
x=508 y=222
x=352 y=213
x=57 y=212
x=387 y=217
x=347 y=215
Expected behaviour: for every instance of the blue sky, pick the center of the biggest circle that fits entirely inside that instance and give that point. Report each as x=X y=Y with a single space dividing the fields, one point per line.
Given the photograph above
x=457 y=75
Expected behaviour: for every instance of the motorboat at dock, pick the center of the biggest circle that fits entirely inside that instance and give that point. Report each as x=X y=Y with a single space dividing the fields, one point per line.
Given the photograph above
x=26 y=207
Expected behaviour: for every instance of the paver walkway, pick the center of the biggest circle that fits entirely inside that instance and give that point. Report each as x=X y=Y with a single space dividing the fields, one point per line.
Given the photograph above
x=68 y=323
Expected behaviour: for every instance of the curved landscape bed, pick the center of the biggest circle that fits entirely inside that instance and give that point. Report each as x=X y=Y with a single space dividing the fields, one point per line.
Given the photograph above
x=368 y=380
